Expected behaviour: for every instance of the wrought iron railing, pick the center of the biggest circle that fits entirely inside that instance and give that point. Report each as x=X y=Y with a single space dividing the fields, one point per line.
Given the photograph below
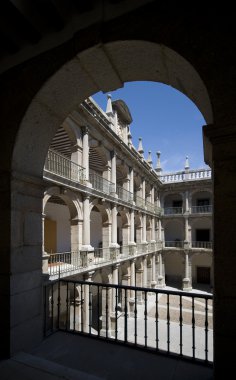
x=202 y=244
x=150 y=206
x=140 y=202
x=174 y=244
x=101 y=184
x=124 y=194
x=166 y=321
x=58 y=164
x=64 y=262
x=173 y=210
x=201 y=209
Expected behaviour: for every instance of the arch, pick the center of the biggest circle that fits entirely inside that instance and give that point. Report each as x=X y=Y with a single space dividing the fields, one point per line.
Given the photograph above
x=71 y=200
x=103 y=209
x=133 y=60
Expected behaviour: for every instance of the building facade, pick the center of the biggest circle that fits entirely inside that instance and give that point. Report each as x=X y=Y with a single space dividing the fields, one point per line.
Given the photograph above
x=110 y=216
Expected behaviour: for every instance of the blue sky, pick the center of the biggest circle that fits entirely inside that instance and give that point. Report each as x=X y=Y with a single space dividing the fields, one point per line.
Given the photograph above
x=166 y=120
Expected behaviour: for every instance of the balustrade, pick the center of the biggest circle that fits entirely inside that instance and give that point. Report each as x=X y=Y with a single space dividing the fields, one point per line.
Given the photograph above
x=58 y=164
x=181 y=176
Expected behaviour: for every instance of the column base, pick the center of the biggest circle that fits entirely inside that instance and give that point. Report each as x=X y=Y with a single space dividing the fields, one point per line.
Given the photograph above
x=45 y=258
x=161 y=282
x=87 y=255
x=88 y=184
x=114 y=245
x=153 y=284
x=87 y=247
x=187 y=284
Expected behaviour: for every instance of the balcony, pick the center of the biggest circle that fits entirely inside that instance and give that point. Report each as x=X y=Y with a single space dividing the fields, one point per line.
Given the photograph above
x=140 y=202
x=161 y=321
x=201 y=209
x=62 y=166
x=182 y=176
x=64 y=264
x=173 y=211
x=174 y=244
x=124 y=194
x=101 y=184
x=202 y=244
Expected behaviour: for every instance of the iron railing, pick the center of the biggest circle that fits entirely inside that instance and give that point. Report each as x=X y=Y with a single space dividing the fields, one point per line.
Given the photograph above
x=202 y=244
x=58 y=164
x=124 y=194
x=173 y=210
x=174 y=244
x=64 y=262
x=150 y=206
x=201 y=209
x=159 y=320
x=140 y=202
x=101 y=184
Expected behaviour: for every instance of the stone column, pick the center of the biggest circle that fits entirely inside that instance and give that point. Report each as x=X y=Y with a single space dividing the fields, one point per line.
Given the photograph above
x=132 y=227
x=76 y=157
x=152 y=195
x=114 y=245
x=153 y=281
x=186 y=237
x=85 y=153
x=132 y=283
x=220 y=154
x=113 y=169
x=143 y=189
x=87 y=254
x=115 y=281
x=114 y=226
x=75 y=229
x=153 y=230
x=145 y=271
x=161 y=277
x=45 y=255
x=131 y=183
x=139 y=283
x=186 y=280
x=144 y=237
x=186 y=198
x=160 y=230
x=87 y=305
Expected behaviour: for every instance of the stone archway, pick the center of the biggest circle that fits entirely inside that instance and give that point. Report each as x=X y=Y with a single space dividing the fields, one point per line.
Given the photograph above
x=132 y=60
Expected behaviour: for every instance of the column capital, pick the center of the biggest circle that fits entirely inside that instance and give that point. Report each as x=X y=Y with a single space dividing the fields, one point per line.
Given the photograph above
x=113 y=153
x=115 y=266
x=85 y=129
x=88 y=276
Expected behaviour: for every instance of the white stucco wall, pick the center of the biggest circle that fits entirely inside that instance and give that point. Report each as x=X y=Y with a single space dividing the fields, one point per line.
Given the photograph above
x=61 y=215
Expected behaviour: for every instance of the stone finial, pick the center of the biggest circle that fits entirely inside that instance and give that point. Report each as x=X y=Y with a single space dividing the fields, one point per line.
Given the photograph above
x=158 y=167
x=109 y=110
x=140 y=147
x=149 y=159
x=186 y=167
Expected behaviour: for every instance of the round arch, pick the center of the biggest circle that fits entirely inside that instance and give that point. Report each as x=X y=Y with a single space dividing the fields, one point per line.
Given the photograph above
x=133 y=61
x=71 y=200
